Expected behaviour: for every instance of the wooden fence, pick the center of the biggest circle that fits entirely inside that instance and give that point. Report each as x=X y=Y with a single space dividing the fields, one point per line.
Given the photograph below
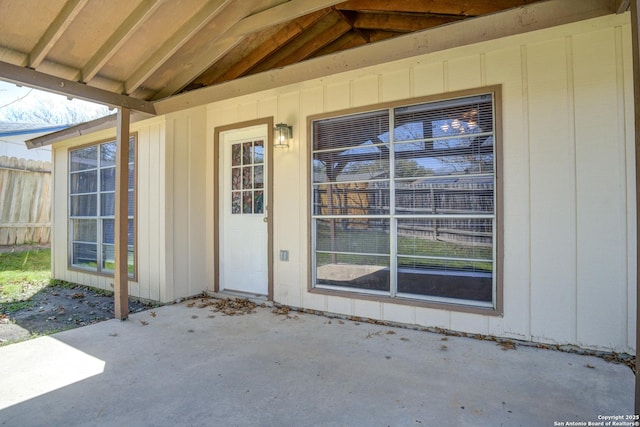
x=25 y=201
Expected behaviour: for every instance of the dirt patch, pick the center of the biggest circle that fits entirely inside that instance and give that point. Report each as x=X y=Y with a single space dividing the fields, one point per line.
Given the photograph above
x=22 y=248
x=57 y=308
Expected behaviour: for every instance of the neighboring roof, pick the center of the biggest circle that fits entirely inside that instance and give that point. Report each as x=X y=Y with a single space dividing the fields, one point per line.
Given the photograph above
x=14 y=129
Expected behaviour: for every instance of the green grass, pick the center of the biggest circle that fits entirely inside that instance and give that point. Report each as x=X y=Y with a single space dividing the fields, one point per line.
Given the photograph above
x=22 y=275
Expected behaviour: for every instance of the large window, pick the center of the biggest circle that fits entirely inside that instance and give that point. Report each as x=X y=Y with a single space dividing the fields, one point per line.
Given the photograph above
x=92 y=183
x=404 y=201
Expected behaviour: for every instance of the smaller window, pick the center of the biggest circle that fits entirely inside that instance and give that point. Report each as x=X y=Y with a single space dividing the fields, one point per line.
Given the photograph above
x=92 y=183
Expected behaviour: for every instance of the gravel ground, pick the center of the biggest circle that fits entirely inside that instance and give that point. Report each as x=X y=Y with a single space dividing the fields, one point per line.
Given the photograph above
x=57 y=307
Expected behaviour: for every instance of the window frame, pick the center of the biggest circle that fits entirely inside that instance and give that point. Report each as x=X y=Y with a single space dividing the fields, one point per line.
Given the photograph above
x=99 y=218
x=495 y=308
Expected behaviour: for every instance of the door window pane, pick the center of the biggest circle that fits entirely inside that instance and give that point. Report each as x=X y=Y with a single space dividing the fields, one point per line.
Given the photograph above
x=258 y=152
x=247 y=178
x=258 y=207
x=247 y=202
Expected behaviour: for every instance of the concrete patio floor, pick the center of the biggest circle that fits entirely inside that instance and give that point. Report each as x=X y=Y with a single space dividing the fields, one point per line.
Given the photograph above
x=188 y=368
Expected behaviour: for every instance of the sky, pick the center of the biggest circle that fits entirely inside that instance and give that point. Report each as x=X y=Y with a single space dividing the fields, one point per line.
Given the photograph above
x=10 y=92
x=24 y=104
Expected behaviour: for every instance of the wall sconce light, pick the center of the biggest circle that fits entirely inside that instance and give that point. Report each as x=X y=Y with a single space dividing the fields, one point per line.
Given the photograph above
x=282 y=134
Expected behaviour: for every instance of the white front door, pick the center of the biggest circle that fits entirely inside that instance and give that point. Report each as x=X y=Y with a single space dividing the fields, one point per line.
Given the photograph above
x=243 y=210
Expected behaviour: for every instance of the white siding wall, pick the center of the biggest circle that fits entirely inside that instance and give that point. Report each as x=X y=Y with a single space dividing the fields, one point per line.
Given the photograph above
x=569 y=217
x=185 y=246
x=151 y=283
x=569 y=189
x=171 y=161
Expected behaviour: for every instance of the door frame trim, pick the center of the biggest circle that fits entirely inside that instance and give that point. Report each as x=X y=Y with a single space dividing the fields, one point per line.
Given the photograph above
x=217 y=131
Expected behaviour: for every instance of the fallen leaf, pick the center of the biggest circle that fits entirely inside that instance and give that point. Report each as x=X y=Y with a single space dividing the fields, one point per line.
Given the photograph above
x=391 y=332
x=152 y=314
x=143 y=322
x=589 y=366
x=507 y=345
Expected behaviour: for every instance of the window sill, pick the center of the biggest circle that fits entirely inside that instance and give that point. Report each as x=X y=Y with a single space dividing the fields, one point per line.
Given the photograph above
x=132 y=279
x=413 y=302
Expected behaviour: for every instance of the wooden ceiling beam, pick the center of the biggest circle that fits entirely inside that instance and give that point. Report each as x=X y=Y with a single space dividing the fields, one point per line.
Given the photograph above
x=280 y=14
x=324 y=32
x=289 y=32
x=259 y=21
x=402 y=23
x=537 y=16
x=57 y=28
x=27 y=77
x=175 y=42
x=447 y=7
x=118 y=38
x=347 y=41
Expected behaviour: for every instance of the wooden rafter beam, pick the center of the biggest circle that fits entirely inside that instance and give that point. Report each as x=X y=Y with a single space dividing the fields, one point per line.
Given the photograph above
x=465 y=8
x=289 y=32
x=106 y=122
x=315 y=38
x=539 y=15
x=623 y=6
x=401 y=23
x=118 y=38
x=280 y=14
x=232 y=36
x=71 y=89
x=347 y=41
x=327 y=31
x=175 y=42
x=55 y=31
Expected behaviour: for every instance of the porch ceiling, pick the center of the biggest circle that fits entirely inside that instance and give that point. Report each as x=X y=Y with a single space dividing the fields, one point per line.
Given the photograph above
x=122 y=52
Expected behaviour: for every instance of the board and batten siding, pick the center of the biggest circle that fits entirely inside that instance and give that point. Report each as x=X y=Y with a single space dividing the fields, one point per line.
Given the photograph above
x=568 y=171
x=170 y=208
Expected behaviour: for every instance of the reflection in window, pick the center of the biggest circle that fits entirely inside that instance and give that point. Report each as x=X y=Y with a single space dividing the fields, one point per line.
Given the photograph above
x=247 y=177
x=410 y=211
